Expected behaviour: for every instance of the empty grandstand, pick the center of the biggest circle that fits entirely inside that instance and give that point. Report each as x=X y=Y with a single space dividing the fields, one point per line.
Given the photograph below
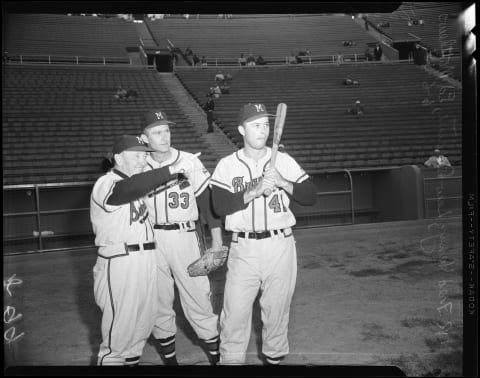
x=60 y=116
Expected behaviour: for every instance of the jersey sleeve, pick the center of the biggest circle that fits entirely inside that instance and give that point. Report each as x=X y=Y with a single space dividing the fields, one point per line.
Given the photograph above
x=290 y=169
x=102 y=191
x=200 y=177
x=221 y=176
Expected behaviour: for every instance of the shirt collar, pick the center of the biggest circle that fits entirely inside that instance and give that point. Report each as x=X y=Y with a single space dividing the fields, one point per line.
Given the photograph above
x=172 y=159
x=264 y=159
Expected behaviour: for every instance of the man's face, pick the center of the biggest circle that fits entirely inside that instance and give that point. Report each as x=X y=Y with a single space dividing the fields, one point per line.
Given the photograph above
x=131 y=162
x=255 y=133
x=158 y=137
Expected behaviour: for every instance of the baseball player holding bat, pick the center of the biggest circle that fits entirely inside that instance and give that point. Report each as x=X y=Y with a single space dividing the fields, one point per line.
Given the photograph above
x=173 y=210
x=254 y=195
x=124 y=273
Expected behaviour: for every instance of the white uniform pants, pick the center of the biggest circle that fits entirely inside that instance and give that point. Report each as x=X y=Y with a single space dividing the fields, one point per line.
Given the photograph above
x=270 y=265
x=124 y=287
x=175 y=251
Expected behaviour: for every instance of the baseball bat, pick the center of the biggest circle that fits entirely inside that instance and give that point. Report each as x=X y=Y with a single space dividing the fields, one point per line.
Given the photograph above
x=277 y=135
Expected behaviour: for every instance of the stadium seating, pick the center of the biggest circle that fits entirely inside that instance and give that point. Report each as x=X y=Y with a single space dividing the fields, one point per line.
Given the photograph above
x=62 y=35
x=272 y=37
x=59 y=122
x=438 y=28
x=400 y=125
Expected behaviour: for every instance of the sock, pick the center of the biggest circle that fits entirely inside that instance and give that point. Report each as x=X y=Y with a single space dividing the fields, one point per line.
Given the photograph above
x=132 y=361
x=213 y=346
x=167 y=350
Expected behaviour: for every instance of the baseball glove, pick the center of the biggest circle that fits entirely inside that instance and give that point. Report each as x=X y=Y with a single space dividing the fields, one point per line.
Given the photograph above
x=210 y=261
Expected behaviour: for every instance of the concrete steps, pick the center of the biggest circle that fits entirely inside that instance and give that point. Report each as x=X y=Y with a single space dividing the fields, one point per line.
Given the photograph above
x=217 y=141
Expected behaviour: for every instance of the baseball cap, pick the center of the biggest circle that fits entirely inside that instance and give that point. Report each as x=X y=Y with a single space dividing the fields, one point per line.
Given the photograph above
x=436 y=150
x=250 y=112
x=130 y=143
x=154 y=118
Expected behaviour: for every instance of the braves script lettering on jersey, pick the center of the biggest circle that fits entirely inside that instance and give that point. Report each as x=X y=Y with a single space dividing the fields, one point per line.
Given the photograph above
x=175 y=204
x=237 y=173
x=267 y=262
x=124 y=281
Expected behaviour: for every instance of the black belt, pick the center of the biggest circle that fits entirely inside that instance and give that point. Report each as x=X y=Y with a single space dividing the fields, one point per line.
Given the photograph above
x=173 y=226
x=136 y=247
x=260 y=235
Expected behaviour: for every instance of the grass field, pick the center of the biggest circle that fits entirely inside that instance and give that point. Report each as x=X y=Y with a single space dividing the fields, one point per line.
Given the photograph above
x=377 y=294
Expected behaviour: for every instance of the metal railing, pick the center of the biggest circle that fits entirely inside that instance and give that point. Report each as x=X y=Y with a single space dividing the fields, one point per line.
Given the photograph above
x=444 y=202
x=66 y=59
x=214 y=62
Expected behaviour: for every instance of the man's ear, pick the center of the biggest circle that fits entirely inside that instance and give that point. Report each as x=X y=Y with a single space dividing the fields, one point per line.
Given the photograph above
x=117 y=159
x=144 y=137
x=241 y=130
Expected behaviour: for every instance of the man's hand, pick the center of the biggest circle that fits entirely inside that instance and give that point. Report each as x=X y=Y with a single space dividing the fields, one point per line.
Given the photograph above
x=257 y=190
x=272 y=175
x=184 y=165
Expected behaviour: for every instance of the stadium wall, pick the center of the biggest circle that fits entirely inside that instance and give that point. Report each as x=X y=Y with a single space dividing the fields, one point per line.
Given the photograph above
x=61 y=214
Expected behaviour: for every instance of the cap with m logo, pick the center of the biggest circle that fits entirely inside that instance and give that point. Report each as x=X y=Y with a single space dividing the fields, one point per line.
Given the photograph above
x=250 y=112
x=155 y=117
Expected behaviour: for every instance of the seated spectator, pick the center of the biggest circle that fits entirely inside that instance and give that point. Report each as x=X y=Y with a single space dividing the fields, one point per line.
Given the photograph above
x=242 y=61
x=260 y=61
x=188 y=51
x=131 y=93
x=224 y=89
x=204 y=61
x=357 y=109
x=349 y=43
x=292 y=59
x=195 y=60
x=251 y=60
x=215 y=91
x=121 y=93
x=437 y=160
x=349 y=81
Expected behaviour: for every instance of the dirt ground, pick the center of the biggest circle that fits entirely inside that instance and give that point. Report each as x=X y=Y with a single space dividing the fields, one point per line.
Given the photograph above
x=378 y=294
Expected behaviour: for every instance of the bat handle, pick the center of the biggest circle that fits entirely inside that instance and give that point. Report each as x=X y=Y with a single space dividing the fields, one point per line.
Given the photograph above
x=268 y=191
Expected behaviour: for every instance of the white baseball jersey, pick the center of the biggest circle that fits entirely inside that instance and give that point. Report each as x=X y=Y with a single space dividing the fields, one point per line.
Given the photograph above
x=237 y=173
x=177 y=203
x=127 y=223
